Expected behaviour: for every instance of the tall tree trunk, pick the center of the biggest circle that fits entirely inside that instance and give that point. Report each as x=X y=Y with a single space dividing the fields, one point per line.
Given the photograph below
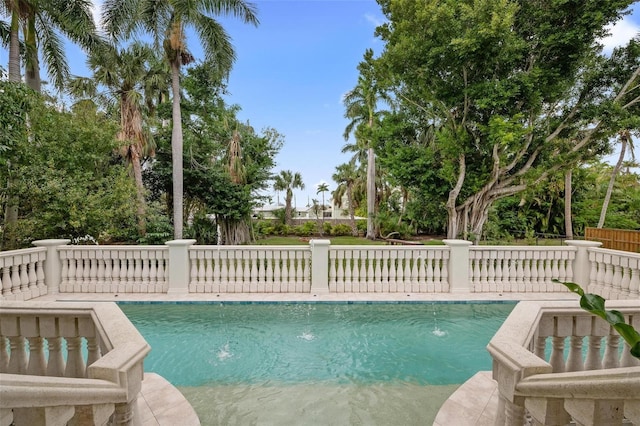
x=568 y=220
x=14 y=49
x=176 y=151
x=234 y=232
x=287 y=207
x=352 y=211
x=453 y=228
x=32 y=63
x=137 y=176
x=624 y=135
x=371 y=193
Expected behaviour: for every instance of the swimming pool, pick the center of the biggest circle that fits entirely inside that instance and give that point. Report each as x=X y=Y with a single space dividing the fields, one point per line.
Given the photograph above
x=380 y=362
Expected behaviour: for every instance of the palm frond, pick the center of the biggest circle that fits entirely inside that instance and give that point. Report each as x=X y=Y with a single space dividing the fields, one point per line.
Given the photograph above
x=246 y=11
x=52 y=51
x=216 y=43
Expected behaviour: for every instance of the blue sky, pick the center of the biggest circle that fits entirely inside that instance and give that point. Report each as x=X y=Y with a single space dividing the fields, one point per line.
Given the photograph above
x=293 y=69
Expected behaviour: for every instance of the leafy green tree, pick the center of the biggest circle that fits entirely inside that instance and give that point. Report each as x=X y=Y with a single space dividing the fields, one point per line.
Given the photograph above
x=361 y=108
x=125 y=73
x=168 y=20
x=288 y=181
x=72 y=185
x=227 y=165
x=503 y=93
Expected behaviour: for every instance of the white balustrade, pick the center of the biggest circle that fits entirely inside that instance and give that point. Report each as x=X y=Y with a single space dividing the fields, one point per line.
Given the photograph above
x=250 y=269
x=546 y=378
x=519 y=269
x=114 y=269
x=456 y=267
x=76 y=363
x=22 y=274
x=614 y=274
x=389 y=269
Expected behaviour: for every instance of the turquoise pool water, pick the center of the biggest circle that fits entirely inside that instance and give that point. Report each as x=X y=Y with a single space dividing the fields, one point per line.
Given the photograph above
x=318 y=343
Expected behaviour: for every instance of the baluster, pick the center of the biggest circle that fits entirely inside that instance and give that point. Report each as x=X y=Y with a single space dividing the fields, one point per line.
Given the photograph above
x=384 y=274
x=15 y=279
x=145 y=272
x=500 y=271
x=122 y=283
x=17 y=355
x=93 y=271
x=260 y=275
x=24 y=281
x=239 y=270
x=196 y=271
x=277 y=271
x=475 y=270
x=625 y=280
x=137 y=270
x=6 y=281
x=32 y=278
x=609 y=290
x=75 y=363
x=400 y=277
x=4 y=355
x=251 y=274
x=414 y=279
x=491 y=273
x=611 y=352
x=519 y=256
x=592 y=361
x=56 y=365
x=375 y=284
x=42 y=288
x=37 y=362
x=208 y=272
x=439 y=269
x=100 y=273
x=509 y=270
x=574 y=360
x=73 y=267
x=393 y=278
x=540 y=346
x=348 y=266
x=557 y=354
x=543 y=280
x=93 y=350
x=83 y=280
x=601 y=273
x=130 y=272
x=332 y=272
x=526 y=272
x=358 y=272
x=108 y=273
x=300 y=264
x=215 y=263
x=431 y=268
x=369 y=275
x=536 y=285
x=224 y=269
x=562 y=269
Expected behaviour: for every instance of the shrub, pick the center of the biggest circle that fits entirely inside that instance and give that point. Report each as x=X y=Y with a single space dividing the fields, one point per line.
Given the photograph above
x=341 y=229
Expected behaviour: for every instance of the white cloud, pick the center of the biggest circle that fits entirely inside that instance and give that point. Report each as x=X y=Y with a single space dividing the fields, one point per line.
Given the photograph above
x=376 y=21
x=620 y=34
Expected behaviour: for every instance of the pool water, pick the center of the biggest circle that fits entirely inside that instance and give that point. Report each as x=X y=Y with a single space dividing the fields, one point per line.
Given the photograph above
x=379 y=362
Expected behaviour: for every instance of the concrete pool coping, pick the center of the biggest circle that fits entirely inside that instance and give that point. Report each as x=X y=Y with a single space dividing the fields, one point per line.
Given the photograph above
x=473 y=403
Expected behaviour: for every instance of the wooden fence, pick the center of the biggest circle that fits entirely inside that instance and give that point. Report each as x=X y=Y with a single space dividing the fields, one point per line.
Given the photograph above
x=615 y=239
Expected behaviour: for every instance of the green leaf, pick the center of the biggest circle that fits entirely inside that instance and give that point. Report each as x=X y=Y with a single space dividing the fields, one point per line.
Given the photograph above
x=573 y=287
x=635 y=350
x=594 y=304
x=614 y=317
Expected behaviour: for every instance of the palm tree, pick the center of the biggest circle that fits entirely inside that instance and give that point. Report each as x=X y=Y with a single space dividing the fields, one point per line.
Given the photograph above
x=360 y=104
x=322 y=188
x=288 y=181
x=167 y=20
x=346 y=176
x=43 y=23
x=125 y=73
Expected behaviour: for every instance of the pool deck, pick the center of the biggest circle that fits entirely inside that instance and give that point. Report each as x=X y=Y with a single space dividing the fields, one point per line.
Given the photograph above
x=161 y=404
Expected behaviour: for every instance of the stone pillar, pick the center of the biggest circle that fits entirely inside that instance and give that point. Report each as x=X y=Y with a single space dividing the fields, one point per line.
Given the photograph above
x=581 y=265
x=458 y=266
x=179 y=266
x=52 y=265
x=319 y=266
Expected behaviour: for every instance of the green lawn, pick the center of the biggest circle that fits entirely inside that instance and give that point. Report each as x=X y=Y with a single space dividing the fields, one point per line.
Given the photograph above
x=292 y=241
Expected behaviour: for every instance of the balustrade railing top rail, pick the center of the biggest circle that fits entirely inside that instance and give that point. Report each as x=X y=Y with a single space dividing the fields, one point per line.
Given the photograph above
x=69 y=360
